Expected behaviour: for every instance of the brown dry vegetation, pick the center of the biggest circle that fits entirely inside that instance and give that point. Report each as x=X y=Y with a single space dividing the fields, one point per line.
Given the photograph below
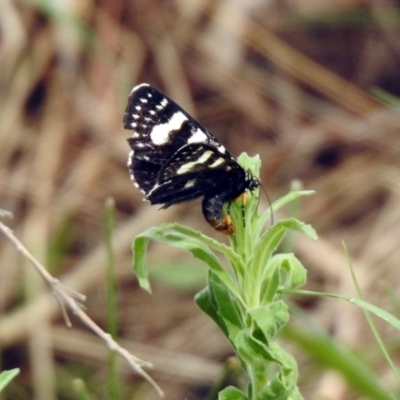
x=290 y=80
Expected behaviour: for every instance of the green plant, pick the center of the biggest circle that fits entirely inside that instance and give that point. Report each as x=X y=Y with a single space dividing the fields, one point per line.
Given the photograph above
x=7 y=376
x=244 y=295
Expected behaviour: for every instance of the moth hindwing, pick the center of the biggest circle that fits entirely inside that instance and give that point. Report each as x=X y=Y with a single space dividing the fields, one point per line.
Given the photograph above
x=174 y=159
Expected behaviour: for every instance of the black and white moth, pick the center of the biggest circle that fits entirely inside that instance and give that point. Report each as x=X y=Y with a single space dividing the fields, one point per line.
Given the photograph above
x=174 y=159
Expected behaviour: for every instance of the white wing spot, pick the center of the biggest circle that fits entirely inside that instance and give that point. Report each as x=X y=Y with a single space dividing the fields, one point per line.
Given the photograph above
x=162 y=105
x=138 y=108
x=133 y=124
x=130 y=158
x=190 y=184
x=160 y=133
x=198 y=137
x=221 y=149
x=217 y=162
x=190 y=165
x=143 y=101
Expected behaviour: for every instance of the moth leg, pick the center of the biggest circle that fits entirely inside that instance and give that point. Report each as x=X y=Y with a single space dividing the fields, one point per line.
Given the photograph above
x=213 y=213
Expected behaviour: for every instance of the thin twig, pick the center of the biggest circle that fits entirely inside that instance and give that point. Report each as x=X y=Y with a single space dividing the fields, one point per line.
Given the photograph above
x=69 y=299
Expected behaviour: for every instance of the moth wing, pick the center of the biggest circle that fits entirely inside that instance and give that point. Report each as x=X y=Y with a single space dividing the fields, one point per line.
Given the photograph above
x=160 y=129
x=195 y=170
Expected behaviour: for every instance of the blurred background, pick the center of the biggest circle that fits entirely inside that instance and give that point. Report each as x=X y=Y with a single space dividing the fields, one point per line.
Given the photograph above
x=310 y=86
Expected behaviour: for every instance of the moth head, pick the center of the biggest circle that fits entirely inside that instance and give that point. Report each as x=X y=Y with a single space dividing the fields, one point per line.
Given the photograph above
x=252 y=181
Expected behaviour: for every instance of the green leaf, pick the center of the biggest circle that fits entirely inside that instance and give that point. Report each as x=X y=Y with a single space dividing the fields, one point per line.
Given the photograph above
x=268 y=320
x=379 y=312
x=232 y=393
x=228 y=308
x=139 y=249
x=219 y=304
x=7 y=376
x=272 y=370
x=171 y=234
x=252 y=350
x=206 y=303
x=274 y=281
x=283 y=385
x=263 y=250
x=296 y=273
x=271 y=239
x=270 y=282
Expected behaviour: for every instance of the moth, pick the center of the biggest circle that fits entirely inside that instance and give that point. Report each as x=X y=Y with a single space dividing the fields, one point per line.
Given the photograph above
x=174 y=159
